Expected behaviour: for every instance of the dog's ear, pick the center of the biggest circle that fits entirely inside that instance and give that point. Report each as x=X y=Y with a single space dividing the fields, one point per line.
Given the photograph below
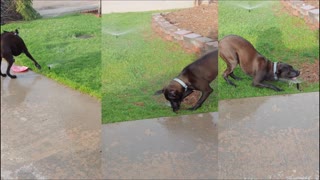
x=16 y=32
x=159 y=92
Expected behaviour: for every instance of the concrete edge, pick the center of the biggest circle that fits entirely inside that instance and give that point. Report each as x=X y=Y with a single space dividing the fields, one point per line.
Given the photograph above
x=189 y=40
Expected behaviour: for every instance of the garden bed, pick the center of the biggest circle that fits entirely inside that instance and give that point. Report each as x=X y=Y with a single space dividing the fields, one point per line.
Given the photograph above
x=202 y=19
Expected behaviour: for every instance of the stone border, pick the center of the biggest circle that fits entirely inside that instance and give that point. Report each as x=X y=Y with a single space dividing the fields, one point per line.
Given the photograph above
x=190 y=41
x=309 y=13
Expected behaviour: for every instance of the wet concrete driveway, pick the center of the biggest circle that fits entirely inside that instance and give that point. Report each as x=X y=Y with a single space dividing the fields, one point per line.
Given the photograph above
x=166 y=148
x=269 y=137
x=48 y=131
x=274 y=137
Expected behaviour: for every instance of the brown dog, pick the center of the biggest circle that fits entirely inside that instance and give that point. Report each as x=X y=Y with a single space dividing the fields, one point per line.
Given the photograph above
x=196 y=76
x=13 y=45
x=236 y=50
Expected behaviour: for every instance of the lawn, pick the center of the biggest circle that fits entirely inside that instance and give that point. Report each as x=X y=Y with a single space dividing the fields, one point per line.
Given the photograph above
x=135 y=64
x=74 y=62
x=276 y=35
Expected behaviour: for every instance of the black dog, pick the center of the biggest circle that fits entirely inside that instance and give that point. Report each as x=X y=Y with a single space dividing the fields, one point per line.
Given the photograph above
x=13 y=45
x=236 y=50
x=196 y=76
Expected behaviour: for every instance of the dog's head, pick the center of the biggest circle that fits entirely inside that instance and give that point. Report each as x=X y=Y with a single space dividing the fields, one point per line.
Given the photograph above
x=286 y=71
x=174 y=94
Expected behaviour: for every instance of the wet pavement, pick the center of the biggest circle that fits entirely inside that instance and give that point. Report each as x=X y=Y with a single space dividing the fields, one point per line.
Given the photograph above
x=183 y=147
x=275 y=137
x=48 y=131
x=269 y=137
x=52 y=8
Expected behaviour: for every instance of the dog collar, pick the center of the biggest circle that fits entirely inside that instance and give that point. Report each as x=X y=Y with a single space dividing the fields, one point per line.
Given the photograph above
x=181 y=83
x=275 y=70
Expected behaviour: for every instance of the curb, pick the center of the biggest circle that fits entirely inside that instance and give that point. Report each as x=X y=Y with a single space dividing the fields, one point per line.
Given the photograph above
x=189 y=40
x=309 y=13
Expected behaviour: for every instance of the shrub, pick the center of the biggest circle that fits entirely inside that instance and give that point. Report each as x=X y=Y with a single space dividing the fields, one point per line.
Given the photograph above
x=24 y=7
x=12 y=10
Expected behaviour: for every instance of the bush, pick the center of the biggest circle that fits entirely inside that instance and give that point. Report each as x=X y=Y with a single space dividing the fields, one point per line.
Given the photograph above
x=24 y=7
x=13 y=10
x=8 y=11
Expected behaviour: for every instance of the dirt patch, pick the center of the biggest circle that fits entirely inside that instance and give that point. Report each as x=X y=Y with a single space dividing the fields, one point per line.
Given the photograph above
x=192 y=99
x=310 y=71
x=201 y=19
x=138 y=103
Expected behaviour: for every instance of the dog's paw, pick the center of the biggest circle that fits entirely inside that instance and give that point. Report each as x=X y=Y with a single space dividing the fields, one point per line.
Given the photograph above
x=278 y=89
x=3 y=75
x=192 y=108
x=12 y=76
x=38 y=66
x=232 y=84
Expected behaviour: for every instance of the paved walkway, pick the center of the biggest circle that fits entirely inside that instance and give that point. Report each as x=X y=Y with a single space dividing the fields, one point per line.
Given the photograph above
x=183 y=147
x=116 y=6
x=273 y=137
x=48 y=131
x=56 y=8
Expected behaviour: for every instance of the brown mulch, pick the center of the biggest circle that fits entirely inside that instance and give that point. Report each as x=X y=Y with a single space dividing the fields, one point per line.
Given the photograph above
x=310 y=71
x=314 y=3
x=201 y=19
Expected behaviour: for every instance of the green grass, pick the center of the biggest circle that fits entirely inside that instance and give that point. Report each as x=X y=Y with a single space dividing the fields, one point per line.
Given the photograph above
x=76 y=62
x=137 y=64
x=276 y=35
